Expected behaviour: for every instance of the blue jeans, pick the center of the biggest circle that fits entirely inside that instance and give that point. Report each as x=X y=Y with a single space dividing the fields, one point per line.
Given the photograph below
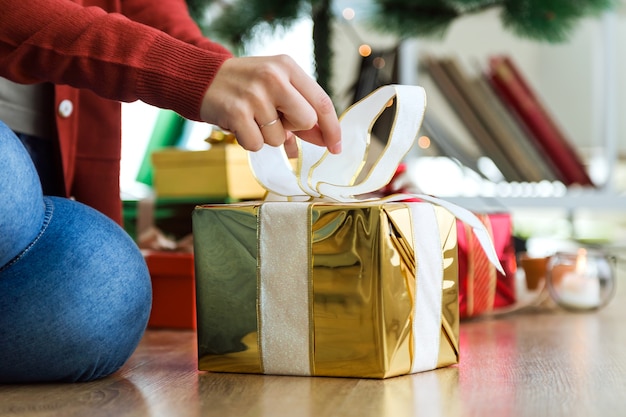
x=75 y=293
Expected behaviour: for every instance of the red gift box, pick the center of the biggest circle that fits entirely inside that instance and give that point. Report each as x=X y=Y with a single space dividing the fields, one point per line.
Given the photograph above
x=173 y=289
x=482 y=289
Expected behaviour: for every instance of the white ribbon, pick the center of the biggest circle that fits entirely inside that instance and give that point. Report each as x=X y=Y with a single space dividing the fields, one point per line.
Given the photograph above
x=284 y=289
x=428 y=288
x=324 y=176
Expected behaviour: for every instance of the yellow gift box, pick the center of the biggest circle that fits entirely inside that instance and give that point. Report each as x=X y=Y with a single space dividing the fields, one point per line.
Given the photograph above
x=222 y=171
x=317 y=281
x=325 y=289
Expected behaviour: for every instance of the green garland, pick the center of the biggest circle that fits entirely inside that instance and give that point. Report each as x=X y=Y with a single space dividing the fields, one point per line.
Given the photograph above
x=540 y=20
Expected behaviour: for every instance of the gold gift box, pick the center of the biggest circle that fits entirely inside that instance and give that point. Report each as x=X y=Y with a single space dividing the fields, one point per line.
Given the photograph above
x=222 y=171
x=360 y=287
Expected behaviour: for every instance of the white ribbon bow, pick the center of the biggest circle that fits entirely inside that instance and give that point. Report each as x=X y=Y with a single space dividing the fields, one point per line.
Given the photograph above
x=332 y=177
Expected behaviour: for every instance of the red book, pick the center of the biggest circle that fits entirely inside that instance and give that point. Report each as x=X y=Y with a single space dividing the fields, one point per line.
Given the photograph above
x=548 y=138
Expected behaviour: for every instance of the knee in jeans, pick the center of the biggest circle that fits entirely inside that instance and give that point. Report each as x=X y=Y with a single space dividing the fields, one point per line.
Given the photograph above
x=81 y=299
x=117 y=311
x=108 y=338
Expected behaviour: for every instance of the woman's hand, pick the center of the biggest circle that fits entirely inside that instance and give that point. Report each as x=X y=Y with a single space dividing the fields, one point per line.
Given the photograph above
x=270 y=100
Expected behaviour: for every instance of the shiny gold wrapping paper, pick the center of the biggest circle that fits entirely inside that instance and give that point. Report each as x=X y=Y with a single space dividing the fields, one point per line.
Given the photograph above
x=361 y=280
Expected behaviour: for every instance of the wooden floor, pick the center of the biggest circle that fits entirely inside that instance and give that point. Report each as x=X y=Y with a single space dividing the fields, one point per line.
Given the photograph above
x=525 y=364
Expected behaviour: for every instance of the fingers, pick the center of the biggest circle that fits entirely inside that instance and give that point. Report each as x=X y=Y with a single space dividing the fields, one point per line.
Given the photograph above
x=327 y=130
x=265 y=99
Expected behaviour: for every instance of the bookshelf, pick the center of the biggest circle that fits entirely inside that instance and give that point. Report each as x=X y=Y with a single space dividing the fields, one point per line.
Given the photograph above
x=605 y=196
x=591 y=63
x=570 y=202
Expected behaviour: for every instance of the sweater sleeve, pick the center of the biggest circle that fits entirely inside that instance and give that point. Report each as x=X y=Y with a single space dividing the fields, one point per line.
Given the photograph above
x=61 y=42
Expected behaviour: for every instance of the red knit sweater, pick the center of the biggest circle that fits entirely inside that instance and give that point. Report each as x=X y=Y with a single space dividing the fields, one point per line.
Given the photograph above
x=97 y=53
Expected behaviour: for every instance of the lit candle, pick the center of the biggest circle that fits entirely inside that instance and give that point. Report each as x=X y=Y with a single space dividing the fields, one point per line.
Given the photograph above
x=580 y=286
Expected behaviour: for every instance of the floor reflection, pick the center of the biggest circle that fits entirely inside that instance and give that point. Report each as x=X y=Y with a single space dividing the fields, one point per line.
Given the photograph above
x=429 y=393
x=94 y=399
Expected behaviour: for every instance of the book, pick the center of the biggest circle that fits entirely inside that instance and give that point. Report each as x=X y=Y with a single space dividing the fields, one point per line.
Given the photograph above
x=452 y=84
x=511 y=135
x=442 y=125
x=500 y=135
x=548 y=138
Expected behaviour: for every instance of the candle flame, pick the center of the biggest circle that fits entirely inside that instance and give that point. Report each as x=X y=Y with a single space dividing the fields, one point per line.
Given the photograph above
x=581 y=262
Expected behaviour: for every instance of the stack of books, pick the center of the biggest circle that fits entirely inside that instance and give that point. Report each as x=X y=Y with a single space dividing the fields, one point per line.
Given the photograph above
x=495 y=113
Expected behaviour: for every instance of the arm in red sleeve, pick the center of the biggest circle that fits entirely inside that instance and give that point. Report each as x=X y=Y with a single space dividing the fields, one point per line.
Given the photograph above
x=61 y=42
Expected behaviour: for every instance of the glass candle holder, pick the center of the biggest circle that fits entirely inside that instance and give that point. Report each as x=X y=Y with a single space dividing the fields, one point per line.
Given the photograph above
x=581 y=281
